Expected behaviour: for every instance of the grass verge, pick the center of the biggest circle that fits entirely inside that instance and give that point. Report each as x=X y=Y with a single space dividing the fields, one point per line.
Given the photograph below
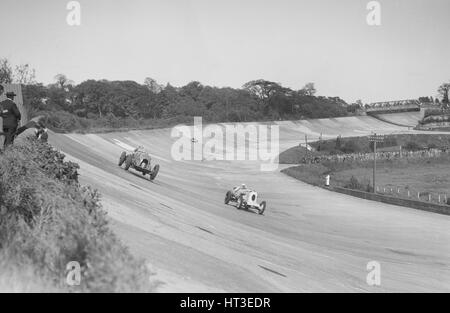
x=418 y=176
x=47 y=219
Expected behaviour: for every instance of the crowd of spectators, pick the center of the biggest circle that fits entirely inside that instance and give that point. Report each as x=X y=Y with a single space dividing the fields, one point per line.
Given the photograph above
x=362 y=157
x=403 y=104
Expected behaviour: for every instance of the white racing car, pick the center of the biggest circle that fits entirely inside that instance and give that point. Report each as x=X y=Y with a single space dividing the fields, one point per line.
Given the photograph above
x=246 y=200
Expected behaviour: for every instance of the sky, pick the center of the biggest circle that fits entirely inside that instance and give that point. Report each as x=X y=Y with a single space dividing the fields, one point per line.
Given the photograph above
x=229 y=42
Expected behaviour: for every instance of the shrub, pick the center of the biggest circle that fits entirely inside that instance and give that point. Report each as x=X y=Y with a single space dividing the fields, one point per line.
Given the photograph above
x=354 y=184
x=351 y=147
x=48 y=219
x=411 y=146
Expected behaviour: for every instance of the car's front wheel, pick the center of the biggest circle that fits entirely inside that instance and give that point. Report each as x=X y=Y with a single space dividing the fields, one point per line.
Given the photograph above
x=128 y=162
x=228 y=197
x=122 y=158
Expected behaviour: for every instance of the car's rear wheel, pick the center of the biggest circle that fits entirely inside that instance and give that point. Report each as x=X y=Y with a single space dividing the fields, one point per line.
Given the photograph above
x=154 y=172
x=128 y=162
x=122 y=158
x=262 y=207
x=228 y=197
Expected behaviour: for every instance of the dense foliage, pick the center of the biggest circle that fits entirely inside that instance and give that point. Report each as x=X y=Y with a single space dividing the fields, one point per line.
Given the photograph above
x=47 y=219
x=127 y=104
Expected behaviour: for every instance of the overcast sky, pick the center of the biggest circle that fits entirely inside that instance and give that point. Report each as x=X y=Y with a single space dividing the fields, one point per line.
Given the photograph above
x=229 y=42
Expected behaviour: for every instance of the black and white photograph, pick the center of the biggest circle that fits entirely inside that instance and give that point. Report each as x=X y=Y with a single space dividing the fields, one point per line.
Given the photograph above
x=224 y=154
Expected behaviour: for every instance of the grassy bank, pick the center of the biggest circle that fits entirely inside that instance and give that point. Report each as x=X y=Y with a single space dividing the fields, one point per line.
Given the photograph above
x=47 y=219
x=409 y=142
x=64 y=122
x=423 y=176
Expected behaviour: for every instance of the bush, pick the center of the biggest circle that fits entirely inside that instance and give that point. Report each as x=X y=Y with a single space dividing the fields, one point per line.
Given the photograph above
x=47 y=220
x=351 y=147
x=354 y=184
x=411 y=146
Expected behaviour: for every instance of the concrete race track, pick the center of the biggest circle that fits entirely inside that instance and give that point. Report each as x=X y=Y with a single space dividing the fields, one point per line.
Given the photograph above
x=309 y=240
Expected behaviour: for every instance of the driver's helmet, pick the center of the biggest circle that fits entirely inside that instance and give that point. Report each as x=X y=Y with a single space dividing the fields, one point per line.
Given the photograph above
x=243 y=186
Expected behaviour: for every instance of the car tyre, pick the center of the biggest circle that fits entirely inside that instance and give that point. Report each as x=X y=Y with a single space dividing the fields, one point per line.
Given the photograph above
x=154 y=172
x=122 y=158
x=262 y=207
x=240 y=202
x=128 y=162
x=228 y=197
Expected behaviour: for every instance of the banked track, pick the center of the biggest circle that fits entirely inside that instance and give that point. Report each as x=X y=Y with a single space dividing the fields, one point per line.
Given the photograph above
x=309 y=240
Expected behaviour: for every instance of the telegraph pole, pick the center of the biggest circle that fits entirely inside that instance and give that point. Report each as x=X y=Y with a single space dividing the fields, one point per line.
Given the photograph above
x=375 y=138
x=374 y=163
x=306 y=145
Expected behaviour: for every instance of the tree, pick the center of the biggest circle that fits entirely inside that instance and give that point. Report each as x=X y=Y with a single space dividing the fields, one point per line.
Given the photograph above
x=309 y=90
x=443 y=91
x=62 y=81
x=263 y=90
x=25 y=75
x=22 y=74
x=193 y=90
x=153 y=85
x=6 y=72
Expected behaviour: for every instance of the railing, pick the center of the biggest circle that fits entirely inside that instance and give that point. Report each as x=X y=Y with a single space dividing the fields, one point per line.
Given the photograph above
x=413 y=194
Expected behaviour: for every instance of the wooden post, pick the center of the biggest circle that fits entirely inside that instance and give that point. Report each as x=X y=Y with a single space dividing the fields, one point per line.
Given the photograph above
x=374 y=162
x=306 y=145
x=375 y=138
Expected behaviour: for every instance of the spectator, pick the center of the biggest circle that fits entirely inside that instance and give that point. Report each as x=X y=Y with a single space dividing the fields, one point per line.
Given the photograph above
x=11 y=117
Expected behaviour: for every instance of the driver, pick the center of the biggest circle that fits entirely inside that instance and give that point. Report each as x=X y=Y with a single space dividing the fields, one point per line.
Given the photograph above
x=139 y=149
x=240 y=190
x=144 y=162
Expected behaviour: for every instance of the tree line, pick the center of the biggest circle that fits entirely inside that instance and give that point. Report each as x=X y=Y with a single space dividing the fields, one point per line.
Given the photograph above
x=110 y=101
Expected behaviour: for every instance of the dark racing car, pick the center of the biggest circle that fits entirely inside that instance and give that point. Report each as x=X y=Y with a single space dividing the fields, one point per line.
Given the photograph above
x=140 y=161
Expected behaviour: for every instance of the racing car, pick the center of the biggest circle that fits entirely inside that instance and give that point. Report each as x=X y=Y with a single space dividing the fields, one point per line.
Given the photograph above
x=140 y=161
x=246 y=201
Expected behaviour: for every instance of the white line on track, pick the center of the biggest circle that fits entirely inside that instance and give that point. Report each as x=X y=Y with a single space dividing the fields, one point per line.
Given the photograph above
x=130 y=149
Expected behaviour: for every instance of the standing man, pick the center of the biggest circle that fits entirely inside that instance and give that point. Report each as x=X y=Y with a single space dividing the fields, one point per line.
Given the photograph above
x=11 y=117
x=2 y=89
